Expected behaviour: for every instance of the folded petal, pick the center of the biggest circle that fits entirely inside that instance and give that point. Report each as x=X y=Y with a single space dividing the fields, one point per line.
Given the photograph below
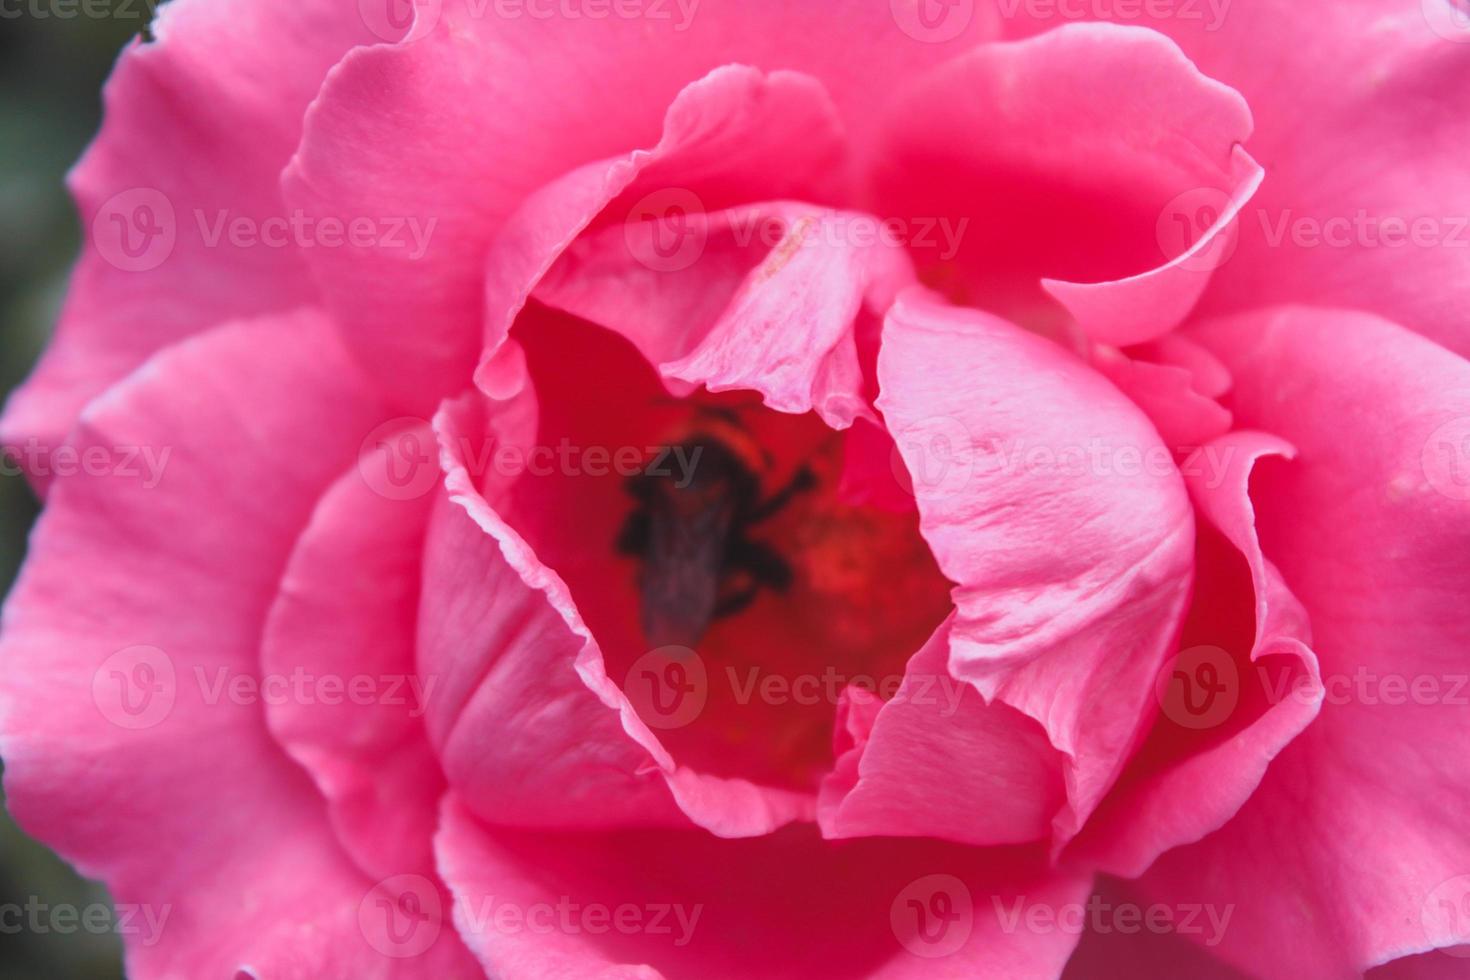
x=773 y=303
x=1244 y=684
x=1185 y=417
x=521 y=671
x=1352 y=852
x=198 y=124
x=339 y=645
x=133 y=733
x=1059 y=154
x=1049 y=500
x=937 y=761
x=462 y=125
x=1340 y=220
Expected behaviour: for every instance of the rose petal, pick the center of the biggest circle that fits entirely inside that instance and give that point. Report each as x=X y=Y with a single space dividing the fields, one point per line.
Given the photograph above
x=936 y=761
x=1051 y=502
x=125 y=748
x=1184 y=417
x=522 y=672
x=198 y=124
x=1071 y=146
x=1369 y=528
x=346 y=615
x=1341 y=97
x=464 y=124
x=1248 y=639
x=783 y=906
x=772 y=304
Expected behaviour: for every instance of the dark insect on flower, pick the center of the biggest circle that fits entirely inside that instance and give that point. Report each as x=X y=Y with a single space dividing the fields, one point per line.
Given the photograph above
x=689 y=530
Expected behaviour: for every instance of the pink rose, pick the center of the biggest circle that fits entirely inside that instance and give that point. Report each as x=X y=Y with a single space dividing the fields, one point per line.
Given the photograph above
x=749 y=489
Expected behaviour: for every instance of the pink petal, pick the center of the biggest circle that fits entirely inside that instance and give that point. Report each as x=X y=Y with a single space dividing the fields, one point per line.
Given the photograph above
x=1184 y=417
x=781 y=906
x=521 y=671
x=1130 y=938
x=1247 y=639
x=1071 y=145
x=734 y=136
x=462 y=125
x=346 y=612
x=772 y=305
x=122 y=749
x=198 y=124
x=1341 y=97
x=1352 y=852
x=1150 y=304
x=1051 y=502
x=936 y=761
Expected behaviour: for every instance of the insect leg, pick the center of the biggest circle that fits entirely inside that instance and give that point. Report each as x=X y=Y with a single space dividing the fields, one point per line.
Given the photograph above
x=801 y=482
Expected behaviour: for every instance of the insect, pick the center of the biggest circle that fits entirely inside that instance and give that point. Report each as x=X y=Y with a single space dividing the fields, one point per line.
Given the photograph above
x=690 y=532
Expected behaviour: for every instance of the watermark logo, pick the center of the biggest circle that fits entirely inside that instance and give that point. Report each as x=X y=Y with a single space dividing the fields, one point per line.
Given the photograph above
x=136 y=230
x=1446 y=917
x=932 y=21
x=1450 y=19
x=1207 y=922
x=1200 y=688
x=933 y=916
x=934 y=455
x=673 y=920
x=39 y=917
x=399 y=459
x=1187 y=220
x=401 y=916
x=403 y=21
x=135 y=688
x=668 y=687
x=667 y=231
x=1446 y=459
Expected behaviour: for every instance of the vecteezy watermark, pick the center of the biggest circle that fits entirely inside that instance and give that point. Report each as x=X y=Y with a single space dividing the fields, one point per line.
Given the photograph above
x=1445 y=459
x=851 y=229
x=1098 y=915
x=138 y=230
x=1187 y=222
x=1185 y=227
x=933 y=916
x=932 y=21
x=1450 y=19
x=138 y=687
x=1367 y=687
x=670 y=687
x=399 y=459
x=135 y=687
x=939 y=457
x=667 y=687
x=301 y=686
x=1445 y=915
x=568 y=917
x=144 y=464
x=401 y=916
x=1211 y=13
x=298 y=229
x=1199 y=688
x=74 y=9
x=679 y=14
x=406 y=21
x=669 y=230
x=39 y=917
x=1364 y=229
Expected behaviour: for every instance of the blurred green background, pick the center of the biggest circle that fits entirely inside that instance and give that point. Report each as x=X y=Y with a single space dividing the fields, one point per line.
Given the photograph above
x=54 y=57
